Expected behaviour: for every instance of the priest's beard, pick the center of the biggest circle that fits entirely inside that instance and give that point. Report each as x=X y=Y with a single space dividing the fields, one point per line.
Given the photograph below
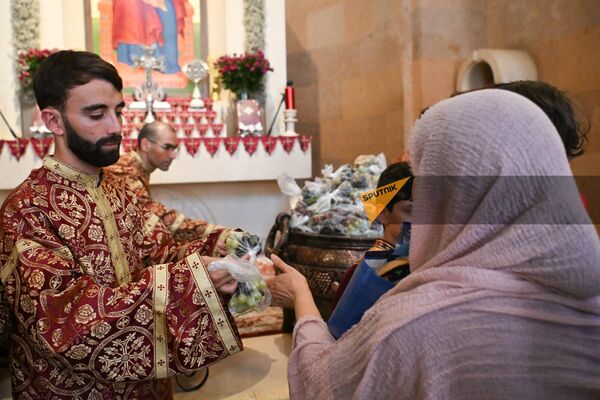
x=90 y=152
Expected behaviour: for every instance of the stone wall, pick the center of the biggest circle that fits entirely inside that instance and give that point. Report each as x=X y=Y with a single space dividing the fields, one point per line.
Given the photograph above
x=365 y=69
x=346 y=59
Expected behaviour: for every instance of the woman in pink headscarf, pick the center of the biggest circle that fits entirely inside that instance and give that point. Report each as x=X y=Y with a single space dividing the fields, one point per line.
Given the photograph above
x=503 y=296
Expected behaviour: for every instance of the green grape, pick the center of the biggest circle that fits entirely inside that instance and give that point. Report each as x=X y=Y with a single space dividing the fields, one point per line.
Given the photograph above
x=261 y=284
x=242 y=298
x=240 y=309
x=257 y=297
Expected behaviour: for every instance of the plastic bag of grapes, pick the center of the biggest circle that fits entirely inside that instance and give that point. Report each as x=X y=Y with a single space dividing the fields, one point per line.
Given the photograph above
x=243 y=244
x=252 y=292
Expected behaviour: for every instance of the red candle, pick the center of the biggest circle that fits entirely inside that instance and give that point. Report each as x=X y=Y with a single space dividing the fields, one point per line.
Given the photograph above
x=289 y=98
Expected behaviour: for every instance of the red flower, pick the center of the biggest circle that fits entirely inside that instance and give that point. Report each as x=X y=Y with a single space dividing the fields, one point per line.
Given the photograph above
x=243 y=73
x=27 y=65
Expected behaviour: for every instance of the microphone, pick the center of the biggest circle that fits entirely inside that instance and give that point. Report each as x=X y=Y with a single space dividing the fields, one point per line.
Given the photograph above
x=289 y=84
x=8 y=125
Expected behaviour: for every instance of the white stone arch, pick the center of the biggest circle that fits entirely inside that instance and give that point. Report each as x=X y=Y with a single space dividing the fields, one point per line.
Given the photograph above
x=487 y=67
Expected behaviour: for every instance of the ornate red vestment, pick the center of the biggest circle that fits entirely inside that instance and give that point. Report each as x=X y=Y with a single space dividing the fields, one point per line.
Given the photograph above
x=104 y=305
x=130 y=167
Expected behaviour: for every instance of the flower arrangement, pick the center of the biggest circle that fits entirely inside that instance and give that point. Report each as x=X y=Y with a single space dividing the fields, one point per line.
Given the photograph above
x=243 y=74
x=27 y=65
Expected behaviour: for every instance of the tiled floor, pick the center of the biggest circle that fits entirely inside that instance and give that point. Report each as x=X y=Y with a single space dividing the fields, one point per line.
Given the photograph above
x=257 y=373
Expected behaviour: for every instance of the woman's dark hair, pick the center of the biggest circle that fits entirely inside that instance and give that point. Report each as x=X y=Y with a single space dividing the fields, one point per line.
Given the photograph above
x=394 y=172
x=559 y=108
x=64 y=70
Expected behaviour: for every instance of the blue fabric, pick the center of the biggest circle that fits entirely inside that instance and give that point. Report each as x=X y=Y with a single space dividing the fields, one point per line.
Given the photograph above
x=403 y=241
x=363 y=290
x=365 y=287
x=126 y=52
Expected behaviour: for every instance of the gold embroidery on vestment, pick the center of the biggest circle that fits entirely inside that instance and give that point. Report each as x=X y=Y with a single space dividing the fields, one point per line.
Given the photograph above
x=211 y=298
x=161 y=293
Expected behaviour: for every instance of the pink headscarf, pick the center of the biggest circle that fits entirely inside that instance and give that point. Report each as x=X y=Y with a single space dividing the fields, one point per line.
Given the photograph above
x=513 y=146
x=502 y=300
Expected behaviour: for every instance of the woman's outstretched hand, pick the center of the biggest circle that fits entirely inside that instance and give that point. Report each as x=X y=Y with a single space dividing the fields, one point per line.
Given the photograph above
x=290 y=290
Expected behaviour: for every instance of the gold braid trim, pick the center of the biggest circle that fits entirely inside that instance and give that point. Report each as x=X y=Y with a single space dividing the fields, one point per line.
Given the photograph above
x=161 y=293
x=211 y=298
x=115 y=246
x=150 y=224
x=24 y=245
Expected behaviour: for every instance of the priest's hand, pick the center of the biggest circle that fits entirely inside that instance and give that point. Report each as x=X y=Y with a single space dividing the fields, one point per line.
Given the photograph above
x=224 y=283
x=290 y=289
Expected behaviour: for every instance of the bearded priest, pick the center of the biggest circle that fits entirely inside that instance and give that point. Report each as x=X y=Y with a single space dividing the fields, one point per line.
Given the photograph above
x=102 y=303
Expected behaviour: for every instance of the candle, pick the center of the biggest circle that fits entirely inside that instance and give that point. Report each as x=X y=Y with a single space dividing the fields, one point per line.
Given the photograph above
x=289 y=98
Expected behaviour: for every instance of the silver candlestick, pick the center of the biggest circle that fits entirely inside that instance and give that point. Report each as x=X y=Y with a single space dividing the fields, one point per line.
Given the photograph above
x=196 y=71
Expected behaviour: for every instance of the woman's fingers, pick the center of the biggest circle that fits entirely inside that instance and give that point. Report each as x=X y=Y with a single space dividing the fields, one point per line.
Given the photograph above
x=278 y=262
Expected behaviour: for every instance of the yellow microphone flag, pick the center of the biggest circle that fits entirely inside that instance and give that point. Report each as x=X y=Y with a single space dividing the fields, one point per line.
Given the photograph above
x=375 y=200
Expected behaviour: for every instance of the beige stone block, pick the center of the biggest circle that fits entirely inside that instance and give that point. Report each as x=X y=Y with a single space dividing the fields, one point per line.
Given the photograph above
x=448 y=29
x=358 y=20
x=307 y=103
x=301 y=68
x=571 y=62
x=370 y=96
x=436 y=80
x=382 y=51
x=330 y=99
x=513 y=22
x=326 y=26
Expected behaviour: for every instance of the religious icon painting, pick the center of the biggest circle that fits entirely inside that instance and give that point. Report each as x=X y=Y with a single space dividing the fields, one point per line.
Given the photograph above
x=117 y=30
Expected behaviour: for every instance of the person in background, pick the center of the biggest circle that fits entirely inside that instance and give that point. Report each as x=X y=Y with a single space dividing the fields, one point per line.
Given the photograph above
x=103 y=303
x=559 y=108
x=157 y=147
x=393 y=216
x=503 y=298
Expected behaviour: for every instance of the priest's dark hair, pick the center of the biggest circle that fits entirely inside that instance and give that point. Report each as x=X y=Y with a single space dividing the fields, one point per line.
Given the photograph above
x=559 y=108
x=394 y=172
x=64 y=70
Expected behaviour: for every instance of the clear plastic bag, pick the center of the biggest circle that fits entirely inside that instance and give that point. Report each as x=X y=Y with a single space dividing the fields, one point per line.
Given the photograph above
x=375 y=164
x=312 y=191
x=243 y=244
x=343 y=173
x=331 y=204
x=327 y=171
x=290 y=188
x=251 y=293
x=297 y=221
